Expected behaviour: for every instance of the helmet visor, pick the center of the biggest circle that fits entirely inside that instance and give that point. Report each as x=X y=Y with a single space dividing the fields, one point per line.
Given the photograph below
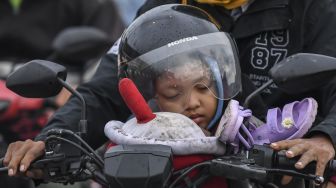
x=205 y=63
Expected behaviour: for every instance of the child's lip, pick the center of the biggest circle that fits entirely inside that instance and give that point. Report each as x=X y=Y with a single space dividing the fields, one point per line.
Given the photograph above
x=197 y=118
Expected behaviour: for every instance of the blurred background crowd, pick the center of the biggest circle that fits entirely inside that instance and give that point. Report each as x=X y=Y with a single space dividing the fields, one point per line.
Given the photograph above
x=42 y=29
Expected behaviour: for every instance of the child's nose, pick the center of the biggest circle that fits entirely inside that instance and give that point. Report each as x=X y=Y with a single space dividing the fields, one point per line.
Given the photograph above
x=193 y=101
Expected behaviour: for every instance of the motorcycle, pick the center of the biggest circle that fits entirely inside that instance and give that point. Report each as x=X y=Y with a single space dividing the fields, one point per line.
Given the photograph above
x=76 y=48
x=68 y=158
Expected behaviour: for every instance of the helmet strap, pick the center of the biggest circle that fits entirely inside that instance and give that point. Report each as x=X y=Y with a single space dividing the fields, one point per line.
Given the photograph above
x=215 y=69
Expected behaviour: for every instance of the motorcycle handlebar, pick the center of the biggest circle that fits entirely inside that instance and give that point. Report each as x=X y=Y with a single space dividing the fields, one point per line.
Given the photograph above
x=261 y=162
x=3 y=168
x=277 y=163
x=258 y=164
x=282 y=162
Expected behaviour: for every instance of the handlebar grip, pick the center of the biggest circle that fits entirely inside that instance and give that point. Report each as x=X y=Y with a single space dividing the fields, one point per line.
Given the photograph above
x=283 y=162
x=3 y=168
x=1 y=162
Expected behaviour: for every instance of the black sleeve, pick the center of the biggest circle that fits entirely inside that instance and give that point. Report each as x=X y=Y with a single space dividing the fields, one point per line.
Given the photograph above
x=320 y=37
x=319 y=26
x=326 y=117
x=103 y=104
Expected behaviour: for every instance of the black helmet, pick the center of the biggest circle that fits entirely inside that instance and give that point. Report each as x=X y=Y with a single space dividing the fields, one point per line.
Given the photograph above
x=162 y=25
x=176 y=35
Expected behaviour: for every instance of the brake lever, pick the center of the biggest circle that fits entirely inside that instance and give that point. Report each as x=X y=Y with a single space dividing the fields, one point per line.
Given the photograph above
x=41 y=162
x=238 y=167
x=317 y=179
x=3 y=168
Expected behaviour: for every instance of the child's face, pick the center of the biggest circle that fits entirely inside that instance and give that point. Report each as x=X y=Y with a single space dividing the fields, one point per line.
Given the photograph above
x=187 y=90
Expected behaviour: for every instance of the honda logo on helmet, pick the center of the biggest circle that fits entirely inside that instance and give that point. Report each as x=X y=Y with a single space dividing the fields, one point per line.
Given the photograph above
x=182 y=41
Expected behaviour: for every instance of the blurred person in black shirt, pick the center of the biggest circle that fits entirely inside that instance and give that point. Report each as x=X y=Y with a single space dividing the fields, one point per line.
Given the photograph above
x=28 y=27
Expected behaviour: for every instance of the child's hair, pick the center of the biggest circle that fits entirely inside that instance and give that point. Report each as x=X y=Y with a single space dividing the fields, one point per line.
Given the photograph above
x=170 y=64
x=183 y=62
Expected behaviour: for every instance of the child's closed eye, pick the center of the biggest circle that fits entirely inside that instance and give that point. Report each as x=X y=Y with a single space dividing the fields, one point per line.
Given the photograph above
x=204 y=86
x=172 y=95
x=201 y=86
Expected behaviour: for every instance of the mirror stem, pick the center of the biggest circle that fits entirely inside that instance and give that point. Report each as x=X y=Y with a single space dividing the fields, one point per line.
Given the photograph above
x=256 y=92
x=83 y=122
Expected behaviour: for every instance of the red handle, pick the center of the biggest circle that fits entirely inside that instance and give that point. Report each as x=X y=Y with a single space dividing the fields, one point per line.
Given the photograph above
x=135 y=101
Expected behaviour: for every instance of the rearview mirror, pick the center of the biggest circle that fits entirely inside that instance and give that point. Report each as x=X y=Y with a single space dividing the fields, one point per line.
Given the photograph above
x=299 y=73
x=303 y=72
x=37 y=79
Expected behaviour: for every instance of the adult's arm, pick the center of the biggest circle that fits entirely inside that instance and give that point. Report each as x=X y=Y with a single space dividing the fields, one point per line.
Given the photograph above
x=320 y=38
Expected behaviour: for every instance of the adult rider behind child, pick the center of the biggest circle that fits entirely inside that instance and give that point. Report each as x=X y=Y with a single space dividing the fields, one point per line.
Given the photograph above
x=266 y=31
